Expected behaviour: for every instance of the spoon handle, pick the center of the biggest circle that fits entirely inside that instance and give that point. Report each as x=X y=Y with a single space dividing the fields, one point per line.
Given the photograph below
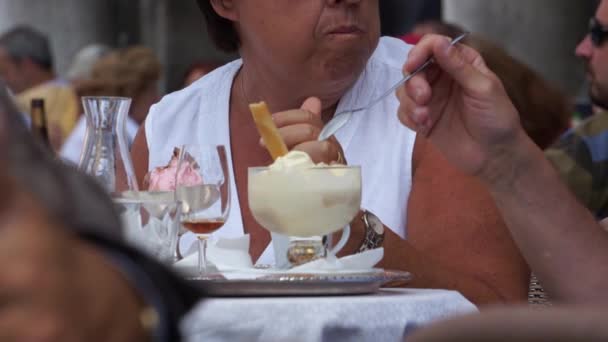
x=414 y=73
x=341 y=118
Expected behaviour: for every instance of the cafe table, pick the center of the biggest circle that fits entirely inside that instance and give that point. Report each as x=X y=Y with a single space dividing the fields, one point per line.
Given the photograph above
x=387 y=315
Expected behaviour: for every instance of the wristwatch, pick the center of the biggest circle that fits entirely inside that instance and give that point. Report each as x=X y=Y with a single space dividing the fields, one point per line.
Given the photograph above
x=374 y=232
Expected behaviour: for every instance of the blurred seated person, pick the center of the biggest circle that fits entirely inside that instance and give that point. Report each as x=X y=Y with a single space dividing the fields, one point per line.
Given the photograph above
x=82 y=66
x=581 y=155
x=436 y=27
x=436 y=222
x=581 y=158
x=545 y=111
x=132 y=72
x=26 y=65
x=198 y=70
x=65 y=273
x=84 y=60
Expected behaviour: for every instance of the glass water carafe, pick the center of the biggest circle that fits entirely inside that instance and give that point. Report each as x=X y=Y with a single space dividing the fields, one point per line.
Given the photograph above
x=105 y=155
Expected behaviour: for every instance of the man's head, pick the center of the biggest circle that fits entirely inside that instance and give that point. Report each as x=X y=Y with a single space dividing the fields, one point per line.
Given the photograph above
x=25 y=58
x=594 y=51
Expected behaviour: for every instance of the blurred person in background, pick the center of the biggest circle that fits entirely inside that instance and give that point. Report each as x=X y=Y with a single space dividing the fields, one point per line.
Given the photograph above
x=436 y=27
x=581 y=155
x=545 y=111
x=81 y=68
x=197 y=70
x=84 y=60
x=132 y=72
x=26 y=65
x=65 y=272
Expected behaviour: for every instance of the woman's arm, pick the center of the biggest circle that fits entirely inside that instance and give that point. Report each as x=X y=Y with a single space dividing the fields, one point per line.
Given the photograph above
x=139 y=155
x=456 y=237
x=455 y=227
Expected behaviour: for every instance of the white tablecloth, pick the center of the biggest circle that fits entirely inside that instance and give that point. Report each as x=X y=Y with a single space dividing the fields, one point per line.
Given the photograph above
x=386 y=316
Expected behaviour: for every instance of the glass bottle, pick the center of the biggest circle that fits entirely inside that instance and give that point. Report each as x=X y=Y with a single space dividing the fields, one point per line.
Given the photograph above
x=39 y=122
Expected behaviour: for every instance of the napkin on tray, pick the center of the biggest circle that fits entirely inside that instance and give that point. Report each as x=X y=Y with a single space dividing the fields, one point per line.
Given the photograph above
x=360 y=262
x=223 y=255
x=231 y=258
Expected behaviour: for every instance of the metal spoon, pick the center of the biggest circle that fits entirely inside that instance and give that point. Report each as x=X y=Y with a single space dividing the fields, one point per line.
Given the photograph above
x=340 y=119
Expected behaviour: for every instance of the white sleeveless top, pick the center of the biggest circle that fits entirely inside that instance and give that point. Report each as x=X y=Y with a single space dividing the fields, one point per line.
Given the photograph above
x=375 y=139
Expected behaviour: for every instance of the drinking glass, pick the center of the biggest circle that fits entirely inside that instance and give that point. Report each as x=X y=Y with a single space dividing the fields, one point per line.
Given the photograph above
x=203 y=187
x=150 y=222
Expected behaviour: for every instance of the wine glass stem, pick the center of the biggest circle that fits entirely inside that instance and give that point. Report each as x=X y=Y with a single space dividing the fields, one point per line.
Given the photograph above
x=202 y=255
x=178 y=252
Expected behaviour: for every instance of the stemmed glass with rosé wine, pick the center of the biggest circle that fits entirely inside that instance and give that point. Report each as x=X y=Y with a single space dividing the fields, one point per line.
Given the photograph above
x=202 y=184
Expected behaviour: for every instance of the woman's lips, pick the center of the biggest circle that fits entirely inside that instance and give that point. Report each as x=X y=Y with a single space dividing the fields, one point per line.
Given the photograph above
x=346 y=30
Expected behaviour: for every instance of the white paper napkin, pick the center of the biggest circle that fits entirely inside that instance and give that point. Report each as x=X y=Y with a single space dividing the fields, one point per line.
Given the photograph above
x=231 y=258
x=360 y=262
x=154 y=238
x=223 y=255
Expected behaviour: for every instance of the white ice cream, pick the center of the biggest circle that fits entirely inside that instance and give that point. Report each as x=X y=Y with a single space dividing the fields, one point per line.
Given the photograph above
x=295 y=197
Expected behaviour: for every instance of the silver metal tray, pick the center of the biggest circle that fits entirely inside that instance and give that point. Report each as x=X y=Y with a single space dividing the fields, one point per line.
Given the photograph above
x=306 y=284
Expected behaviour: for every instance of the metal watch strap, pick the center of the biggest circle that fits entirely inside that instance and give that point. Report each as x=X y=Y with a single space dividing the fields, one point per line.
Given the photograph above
x=374 y=232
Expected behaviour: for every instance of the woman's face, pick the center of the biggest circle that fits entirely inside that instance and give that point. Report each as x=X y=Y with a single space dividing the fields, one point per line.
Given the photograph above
x=326 y=41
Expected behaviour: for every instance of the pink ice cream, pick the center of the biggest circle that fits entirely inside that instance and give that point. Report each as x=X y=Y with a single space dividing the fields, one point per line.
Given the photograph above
x=164 y=178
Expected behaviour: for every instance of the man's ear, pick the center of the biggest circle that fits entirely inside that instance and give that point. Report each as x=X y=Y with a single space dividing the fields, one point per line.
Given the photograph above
x=225 y=9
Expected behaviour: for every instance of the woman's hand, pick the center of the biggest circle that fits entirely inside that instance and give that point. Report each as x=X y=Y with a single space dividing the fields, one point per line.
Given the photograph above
x=300 y=130
x=459 y=104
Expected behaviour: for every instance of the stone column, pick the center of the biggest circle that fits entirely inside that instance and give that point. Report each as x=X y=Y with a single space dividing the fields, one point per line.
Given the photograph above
x=542 y=33
x=70 y=24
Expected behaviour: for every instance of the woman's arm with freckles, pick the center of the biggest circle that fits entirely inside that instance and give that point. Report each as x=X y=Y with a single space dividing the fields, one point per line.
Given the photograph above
x=456 y=237
x=139 y=155
x=454 y=223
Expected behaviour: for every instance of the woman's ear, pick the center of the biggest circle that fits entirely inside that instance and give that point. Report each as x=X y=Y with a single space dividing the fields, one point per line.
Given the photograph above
x=225 y=9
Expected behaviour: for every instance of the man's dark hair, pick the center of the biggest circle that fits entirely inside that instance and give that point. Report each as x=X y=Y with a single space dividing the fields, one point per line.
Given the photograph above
x=24 y=42
x=221 y=30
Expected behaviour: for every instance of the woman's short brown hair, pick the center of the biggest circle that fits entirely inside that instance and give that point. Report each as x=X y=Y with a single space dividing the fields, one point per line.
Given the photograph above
x=221 y=30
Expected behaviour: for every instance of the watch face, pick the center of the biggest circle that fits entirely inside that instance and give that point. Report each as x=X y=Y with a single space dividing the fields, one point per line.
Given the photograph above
x=375 y=223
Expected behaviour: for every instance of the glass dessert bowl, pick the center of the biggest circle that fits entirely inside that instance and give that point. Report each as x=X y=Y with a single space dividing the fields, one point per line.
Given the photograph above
x=294 y=197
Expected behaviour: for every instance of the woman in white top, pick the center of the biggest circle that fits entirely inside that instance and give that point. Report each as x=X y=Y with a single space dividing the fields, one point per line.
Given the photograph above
x=294 y=50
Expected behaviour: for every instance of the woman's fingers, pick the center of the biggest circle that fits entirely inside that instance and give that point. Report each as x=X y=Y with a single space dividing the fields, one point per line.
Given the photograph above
x=299 y=133
x=462 y=63
x=419 y=90
x=327 y=151
x=296 y=116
